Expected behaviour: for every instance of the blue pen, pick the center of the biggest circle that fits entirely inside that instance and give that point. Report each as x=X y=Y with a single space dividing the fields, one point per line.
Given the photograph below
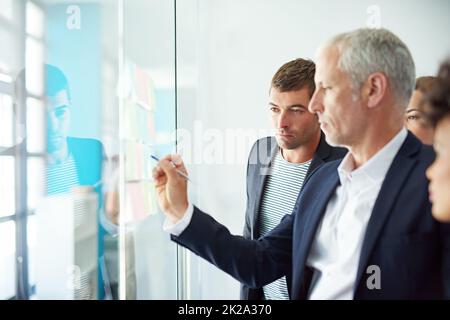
x=178 y=171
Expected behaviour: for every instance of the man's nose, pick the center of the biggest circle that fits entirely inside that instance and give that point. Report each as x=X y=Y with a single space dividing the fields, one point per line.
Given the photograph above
x=430 y=171
x=283 y=120
x=316 y=102
x=52 y=122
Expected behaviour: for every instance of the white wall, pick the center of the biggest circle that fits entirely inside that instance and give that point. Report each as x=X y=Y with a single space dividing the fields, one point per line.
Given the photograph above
x=228 y=51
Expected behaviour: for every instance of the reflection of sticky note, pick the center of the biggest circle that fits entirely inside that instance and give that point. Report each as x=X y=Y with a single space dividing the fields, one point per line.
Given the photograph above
x=141 y=114
x=139 y=161
x=143 y=88
x=139 y=123
x=151 y=127
x=134 y=161
x=126 y=88
x=130 y=120
x=136 y=204
x=130 y=161
x=146 y=170
x=140 y=201
x=145 y=128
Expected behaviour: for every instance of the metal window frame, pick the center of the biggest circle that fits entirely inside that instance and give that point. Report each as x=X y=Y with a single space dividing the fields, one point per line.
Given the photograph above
x=21 y=155
x=5 y=219
x=20 y=215
x=183 y=287
x=22 y=290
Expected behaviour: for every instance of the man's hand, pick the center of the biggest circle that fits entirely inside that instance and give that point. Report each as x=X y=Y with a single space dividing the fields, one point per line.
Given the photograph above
x=171 y=187
x=112 y=206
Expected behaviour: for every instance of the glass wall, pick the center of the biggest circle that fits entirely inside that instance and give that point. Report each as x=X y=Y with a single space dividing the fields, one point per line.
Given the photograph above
x=148 y=112
x=87 y=94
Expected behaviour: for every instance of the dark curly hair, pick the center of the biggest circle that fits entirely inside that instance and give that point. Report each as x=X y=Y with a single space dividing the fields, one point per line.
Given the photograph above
x=438 y=107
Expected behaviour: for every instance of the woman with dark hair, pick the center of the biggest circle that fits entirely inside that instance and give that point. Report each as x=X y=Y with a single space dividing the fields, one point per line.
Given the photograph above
x=438 y=113
x=415 y=120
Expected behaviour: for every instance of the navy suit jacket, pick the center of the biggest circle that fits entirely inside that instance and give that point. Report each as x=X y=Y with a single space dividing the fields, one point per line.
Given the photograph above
x=411 y=249
x=258 y=169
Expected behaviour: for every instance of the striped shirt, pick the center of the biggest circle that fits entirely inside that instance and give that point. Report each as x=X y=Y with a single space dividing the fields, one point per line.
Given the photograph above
x=61 y=177
x=279 y=197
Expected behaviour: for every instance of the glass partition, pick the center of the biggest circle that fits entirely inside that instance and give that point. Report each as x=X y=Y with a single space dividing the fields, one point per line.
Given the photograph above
x=87 y=94
x=148 y=109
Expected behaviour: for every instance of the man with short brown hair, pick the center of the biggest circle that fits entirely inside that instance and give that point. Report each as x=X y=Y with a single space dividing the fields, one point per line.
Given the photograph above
x=278 y=165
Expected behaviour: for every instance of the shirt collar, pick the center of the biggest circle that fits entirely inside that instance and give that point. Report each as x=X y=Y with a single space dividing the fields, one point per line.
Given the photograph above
x=376 y=168
x=279 y=156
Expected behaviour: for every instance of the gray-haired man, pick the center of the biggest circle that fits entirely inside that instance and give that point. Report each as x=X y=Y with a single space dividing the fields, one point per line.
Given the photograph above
x=366 y=231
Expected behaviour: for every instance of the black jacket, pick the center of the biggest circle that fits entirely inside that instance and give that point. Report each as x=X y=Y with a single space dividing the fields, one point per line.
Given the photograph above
x=402 y=238
x=260 y=159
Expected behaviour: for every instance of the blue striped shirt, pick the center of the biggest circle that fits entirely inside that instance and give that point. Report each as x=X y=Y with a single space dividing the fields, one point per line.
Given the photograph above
x=280 y=194
x=61 y=177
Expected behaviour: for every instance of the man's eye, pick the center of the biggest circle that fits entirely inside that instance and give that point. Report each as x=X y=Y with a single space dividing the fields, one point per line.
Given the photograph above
x=273 y=109
x=412 y=118
x=59 y=113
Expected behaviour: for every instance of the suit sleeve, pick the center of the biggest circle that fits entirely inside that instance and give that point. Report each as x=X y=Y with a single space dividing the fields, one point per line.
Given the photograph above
x=247 y=293
x=247 y=233
x=254 y=263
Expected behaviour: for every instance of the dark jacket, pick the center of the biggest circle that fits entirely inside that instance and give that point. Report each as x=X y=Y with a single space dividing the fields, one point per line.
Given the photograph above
x=260 y=160
x=88 y=156
x=409 y=246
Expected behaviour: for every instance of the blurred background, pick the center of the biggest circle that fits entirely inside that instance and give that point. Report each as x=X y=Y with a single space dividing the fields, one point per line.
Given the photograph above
x=90 y=89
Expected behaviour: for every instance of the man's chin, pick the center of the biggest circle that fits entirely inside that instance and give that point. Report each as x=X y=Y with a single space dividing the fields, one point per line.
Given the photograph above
x=441 y=213
x=332 y=141
x=286 y=145
x=54 y=144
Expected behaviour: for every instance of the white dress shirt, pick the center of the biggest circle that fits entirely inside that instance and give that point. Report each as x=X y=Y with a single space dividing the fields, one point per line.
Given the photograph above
x=177 y=228
x=336 y=249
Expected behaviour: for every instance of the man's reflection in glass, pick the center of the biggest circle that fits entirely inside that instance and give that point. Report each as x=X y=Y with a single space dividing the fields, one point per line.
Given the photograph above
x=71 y=161
x=75 y=165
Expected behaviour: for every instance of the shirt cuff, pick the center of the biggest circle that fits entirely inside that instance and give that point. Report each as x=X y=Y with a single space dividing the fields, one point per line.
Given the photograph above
x=177 y=228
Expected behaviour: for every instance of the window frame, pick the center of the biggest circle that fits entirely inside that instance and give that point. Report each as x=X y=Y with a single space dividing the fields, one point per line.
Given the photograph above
x=23 y=289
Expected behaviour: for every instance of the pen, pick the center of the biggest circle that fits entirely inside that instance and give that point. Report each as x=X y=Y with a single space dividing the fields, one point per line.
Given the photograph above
x=178 y=171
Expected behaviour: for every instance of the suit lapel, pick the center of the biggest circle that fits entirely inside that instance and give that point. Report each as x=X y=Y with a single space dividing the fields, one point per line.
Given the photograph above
x=261 y=175
x=310 y=225
x=398 y=172
x=321 y=154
